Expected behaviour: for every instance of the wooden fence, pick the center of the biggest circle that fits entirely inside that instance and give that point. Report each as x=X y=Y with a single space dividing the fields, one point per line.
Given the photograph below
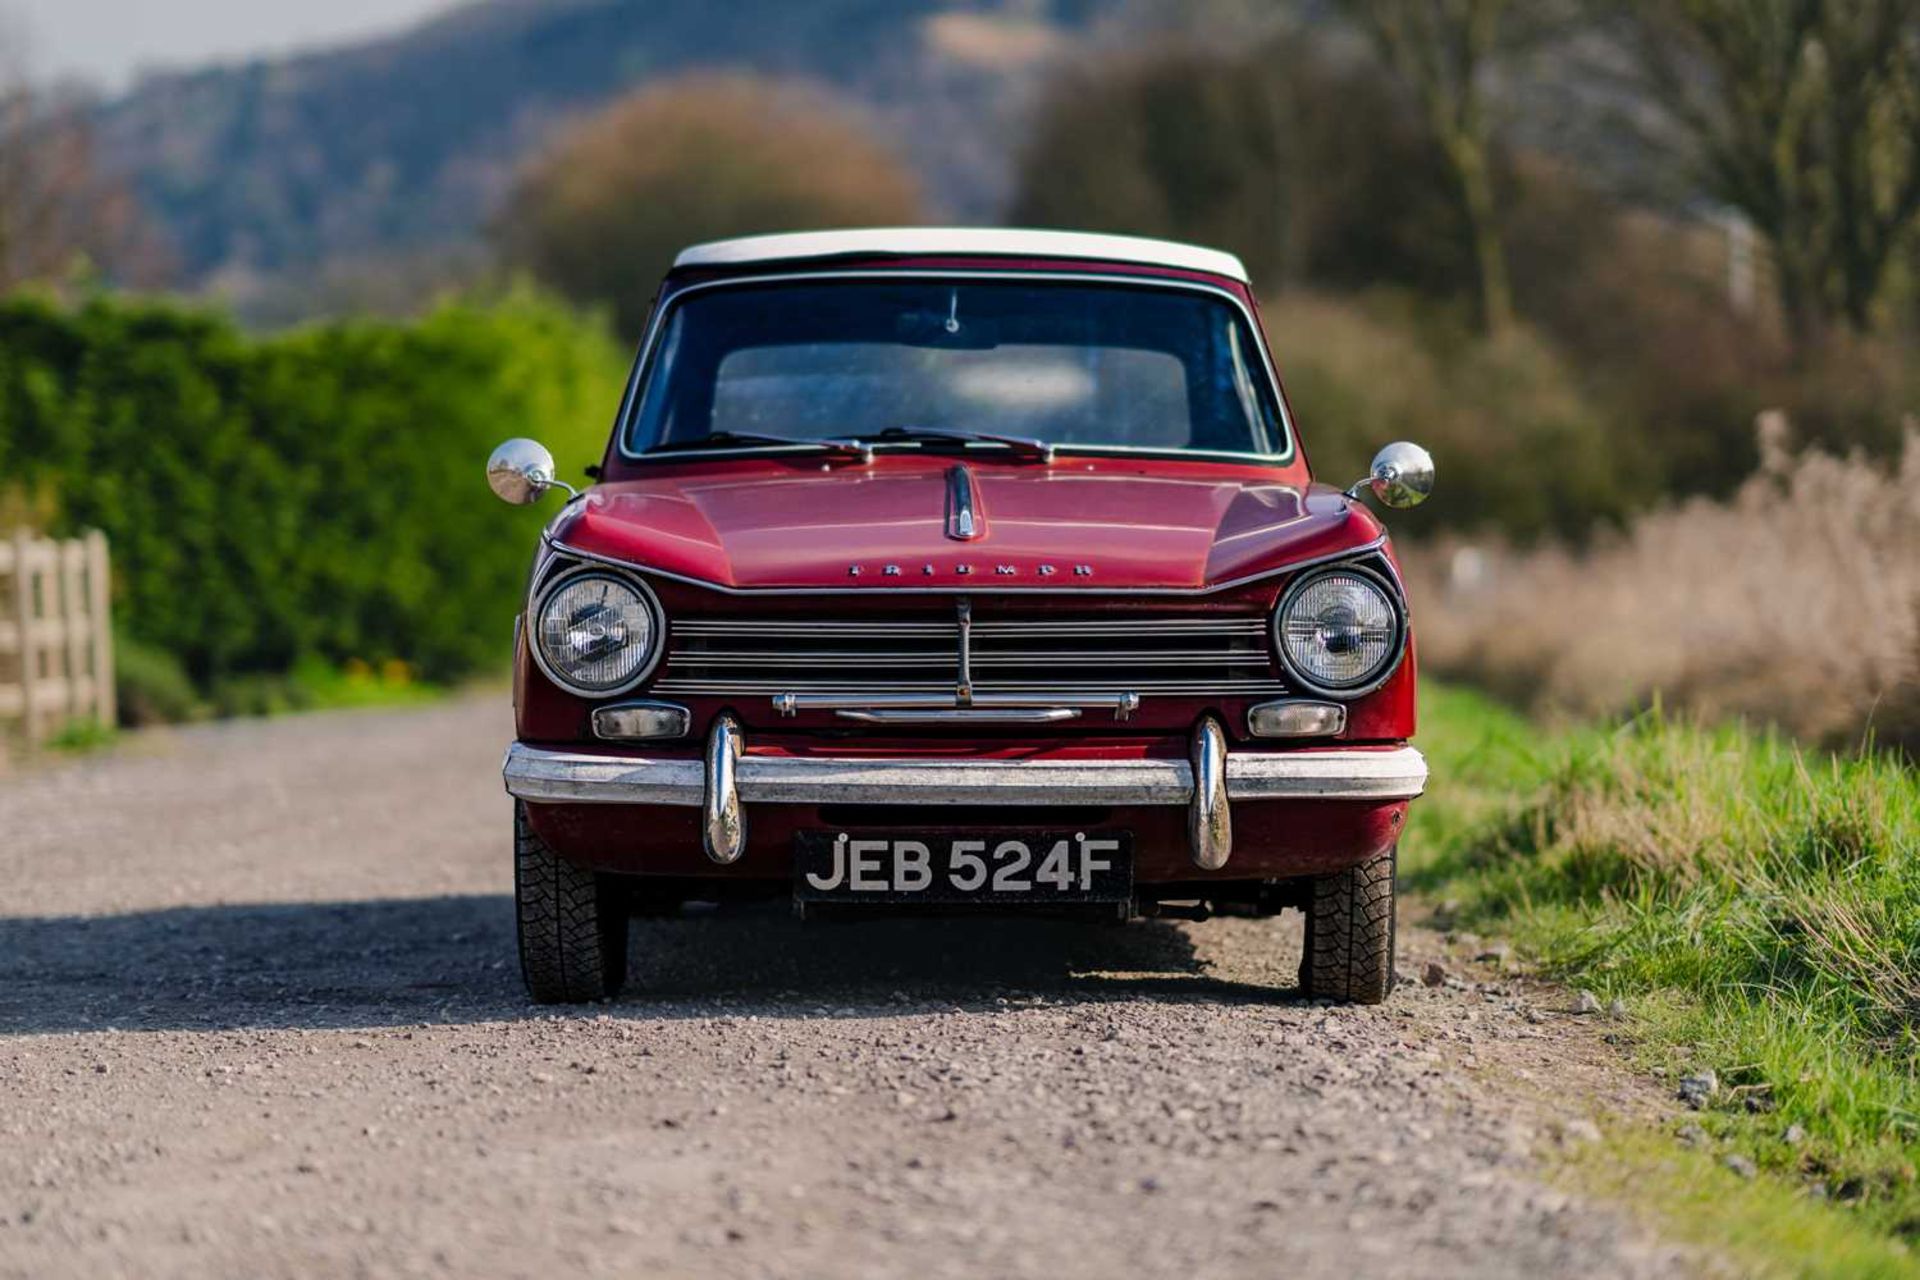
x=56 y=644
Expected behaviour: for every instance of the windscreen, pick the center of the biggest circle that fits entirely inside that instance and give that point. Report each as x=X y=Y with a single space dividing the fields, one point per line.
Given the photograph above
x=1094 y=365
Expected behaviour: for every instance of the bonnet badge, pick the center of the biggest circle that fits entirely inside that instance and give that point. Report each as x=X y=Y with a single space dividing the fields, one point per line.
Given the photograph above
x=966 y=570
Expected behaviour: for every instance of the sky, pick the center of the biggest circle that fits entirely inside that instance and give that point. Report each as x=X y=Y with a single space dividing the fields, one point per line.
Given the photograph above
x=106 y=42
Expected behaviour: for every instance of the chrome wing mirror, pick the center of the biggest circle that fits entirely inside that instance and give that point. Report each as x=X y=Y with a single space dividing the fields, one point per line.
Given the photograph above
x=1401 y=475
x=520 y=470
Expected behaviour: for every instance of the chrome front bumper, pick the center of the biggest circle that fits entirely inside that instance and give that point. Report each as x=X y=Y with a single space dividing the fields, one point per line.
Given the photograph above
x=727 y=778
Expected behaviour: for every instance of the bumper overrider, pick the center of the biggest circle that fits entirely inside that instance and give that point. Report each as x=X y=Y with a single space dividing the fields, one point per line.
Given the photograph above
x=1207 y=782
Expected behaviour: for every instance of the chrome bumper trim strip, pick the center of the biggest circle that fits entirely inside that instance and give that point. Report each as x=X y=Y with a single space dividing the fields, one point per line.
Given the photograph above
x=1327 y=775
x=574 y=777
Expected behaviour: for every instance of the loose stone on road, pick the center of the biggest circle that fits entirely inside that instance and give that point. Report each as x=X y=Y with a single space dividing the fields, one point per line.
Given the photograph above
x=260 y=1016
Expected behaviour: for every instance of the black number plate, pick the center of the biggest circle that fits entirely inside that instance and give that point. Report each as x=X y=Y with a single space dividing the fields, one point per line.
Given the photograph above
x=1015 y=866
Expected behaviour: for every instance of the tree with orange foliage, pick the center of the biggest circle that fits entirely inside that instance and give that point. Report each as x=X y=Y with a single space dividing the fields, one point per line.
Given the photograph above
x=600 y=212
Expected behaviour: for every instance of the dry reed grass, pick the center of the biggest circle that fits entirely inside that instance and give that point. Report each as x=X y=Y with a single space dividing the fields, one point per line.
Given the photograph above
x=1795 y=603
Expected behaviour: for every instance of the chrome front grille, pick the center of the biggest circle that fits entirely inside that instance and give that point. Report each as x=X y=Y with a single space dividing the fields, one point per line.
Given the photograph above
x=1057 y=657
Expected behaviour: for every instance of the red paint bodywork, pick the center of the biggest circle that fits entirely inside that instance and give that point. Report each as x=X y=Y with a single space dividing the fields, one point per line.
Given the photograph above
x=1137 y=522
x=1276 y=839
x=763 y=535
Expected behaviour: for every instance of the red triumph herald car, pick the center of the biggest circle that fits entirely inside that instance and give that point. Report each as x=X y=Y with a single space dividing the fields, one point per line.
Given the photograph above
x=959 y=569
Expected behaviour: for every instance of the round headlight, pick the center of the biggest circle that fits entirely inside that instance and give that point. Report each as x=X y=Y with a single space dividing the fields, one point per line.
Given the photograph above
x=1339 y=630
x=596 y=633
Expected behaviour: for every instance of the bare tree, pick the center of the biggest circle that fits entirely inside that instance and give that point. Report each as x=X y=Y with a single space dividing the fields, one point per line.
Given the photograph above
x=58 y=211
x=1443 y=49
x=1872 y=50
x=1315 y=176
x=1805 y=115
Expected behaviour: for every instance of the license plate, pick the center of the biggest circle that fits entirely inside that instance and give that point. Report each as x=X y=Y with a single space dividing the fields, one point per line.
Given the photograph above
x=1017 y=866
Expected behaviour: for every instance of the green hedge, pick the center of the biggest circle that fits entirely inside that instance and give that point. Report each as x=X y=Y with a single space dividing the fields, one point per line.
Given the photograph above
x=316 y=494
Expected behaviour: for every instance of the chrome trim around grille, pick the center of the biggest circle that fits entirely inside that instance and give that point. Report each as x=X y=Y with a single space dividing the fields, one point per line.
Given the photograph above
x=788 y=704
x=1013 y=658
x=1029 y=690
x=958 y=715
x=952 y=708
x=1045 y=661
x=938 y=629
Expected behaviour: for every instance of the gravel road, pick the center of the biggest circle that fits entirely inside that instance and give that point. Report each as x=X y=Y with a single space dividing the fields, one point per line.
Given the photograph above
x=259 y=1016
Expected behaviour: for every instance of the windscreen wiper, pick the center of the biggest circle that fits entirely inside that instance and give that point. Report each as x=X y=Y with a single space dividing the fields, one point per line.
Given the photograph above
x=727 y=439
x=1024 y=445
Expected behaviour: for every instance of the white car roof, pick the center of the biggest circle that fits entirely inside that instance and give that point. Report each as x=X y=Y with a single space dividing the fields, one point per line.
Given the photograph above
x=985 y=241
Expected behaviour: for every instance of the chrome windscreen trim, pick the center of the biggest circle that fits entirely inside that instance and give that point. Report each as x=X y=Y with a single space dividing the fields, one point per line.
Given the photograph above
x=642 y=365
x=549 y=776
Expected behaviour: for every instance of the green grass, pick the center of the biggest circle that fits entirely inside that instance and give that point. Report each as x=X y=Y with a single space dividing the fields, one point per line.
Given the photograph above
x=1755 y=905
x=78 y=737
x=1769 y=1225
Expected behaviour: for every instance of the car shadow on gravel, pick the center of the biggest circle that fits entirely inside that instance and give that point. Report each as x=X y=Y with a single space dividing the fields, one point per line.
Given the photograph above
x=452 y=960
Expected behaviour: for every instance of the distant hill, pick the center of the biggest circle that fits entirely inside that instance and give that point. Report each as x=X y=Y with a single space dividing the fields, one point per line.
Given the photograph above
x=271 y=168
x=373 y=161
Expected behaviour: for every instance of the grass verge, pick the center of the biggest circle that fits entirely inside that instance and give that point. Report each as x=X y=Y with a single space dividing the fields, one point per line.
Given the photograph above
x=80 y=737
x=154 y=688
x=317 y=686
x=1768 y=1225
x=1756 y=906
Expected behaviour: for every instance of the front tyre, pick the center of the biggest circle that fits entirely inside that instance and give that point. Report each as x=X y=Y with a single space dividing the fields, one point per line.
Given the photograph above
x=1348 y=953
x=572 y=923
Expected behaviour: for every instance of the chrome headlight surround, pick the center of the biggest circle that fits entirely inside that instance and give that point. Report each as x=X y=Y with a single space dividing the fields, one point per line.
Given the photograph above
x=1396 y=647
x=574 y=576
